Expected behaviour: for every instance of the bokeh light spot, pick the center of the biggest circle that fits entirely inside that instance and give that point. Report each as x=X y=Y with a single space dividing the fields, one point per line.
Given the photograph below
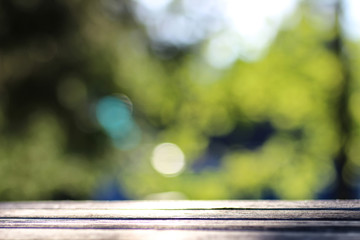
x=168 y=159
x=114 y=115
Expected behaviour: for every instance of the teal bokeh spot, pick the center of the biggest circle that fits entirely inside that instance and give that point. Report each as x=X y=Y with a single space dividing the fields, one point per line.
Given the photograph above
x=115 y=117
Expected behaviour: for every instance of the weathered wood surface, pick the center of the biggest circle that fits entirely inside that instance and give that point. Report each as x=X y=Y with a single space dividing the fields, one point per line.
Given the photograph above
x=181 y=220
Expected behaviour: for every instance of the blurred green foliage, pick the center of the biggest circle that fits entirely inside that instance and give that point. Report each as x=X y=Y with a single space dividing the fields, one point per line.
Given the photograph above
x=58 y=59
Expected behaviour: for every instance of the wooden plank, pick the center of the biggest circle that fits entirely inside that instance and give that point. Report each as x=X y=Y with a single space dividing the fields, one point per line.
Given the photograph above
x=258 y=225
x=75 y=234
x=180 y=219
x=185 y=204
x=235 y=214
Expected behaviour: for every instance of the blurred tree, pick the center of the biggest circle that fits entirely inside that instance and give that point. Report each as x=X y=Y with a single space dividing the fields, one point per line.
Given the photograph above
x=343 y=188
x=86 y=91
x=296 y=91
x=55 y=63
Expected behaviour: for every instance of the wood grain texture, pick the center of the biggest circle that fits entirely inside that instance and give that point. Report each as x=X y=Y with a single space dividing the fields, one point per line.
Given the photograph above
x=183 y=224
x=184 y=204
x=234 y=214
x=181 y=220
x=70 y=234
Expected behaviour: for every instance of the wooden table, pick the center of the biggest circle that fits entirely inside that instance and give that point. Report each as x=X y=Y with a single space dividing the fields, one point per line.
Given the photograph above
x=180 y=220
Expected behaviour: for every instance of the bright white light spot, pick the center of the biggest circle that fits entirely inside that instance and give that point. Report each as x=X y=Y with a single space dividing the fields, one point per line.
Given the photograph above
x=351 y=22
x=252 y=18
x=168 y=159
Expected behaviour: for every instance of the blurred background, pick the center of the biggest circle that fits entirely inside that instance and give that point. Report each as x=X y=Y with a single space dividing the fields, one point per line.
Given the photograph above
x=179 y=99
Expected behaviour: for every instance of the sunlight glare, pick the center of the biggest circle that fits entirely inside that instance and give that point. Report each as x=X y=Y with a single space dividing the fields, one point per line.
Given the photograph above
x=351 y=22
